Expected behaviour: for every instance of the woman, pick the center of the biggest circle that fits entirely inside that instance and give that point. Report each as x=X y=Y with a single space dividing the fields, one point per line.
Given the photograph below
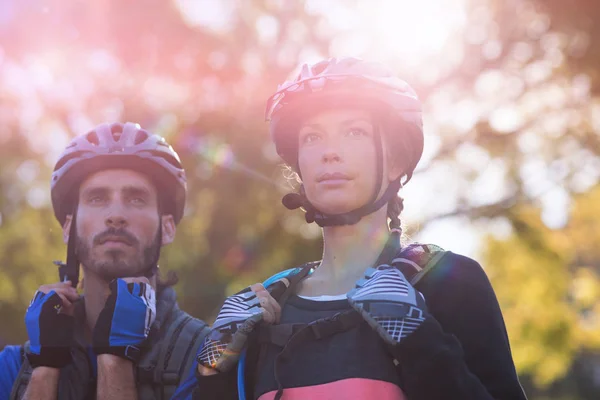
x=353 y=326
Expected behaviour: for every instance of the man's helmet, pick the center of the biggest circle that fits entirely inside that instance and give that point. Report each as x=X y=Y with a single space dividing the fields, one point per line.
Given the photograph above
x=110 y=146
x=117 y=145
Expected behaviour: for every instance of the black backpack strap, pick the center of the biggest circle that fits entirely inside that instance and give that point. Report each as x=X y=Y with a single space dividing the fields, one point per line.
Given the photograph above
x=278 y=335
x=282 y=289
x=24 y=375
x=283 y=334
x=316 y=330
x=173 y=356
x=429 y=267
x=417 y=260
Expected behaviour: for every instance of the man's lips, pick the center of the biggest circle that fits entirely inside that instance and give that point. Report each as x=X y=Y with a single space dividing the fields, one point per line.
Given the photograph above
x=115 y=239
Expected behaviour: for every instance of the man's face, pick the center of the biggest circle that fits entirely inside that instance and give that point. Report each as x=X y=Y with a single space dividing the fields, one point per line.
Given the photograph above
x=118 y=224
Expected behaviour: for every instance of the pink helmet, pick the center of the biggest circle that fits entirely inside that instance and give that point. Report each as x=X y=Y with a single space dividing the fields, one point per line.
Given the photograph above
x=118 y=145
x=339 y=82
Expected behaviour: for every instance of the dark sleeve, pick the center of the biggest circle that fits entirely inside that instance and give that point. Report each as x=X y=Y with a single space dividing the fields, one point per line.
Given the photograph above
x=462 y=350
x=220 y=386
x=10 y=364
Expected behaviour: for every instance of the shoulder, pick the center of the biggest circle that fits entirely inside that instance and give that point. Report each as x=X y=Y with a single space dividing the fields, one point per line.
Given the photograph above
x=456 y=270
x=10 y=364
x=457 y=279
x=11 y=356
x=180 y=322
x=459 y=282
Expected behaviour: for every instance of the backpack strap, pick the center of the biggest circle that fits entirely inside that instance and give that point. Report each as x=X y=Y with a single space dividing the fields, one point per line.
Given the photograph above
x=281 y=334
x=75 y=379
x=417 y=260
x=283 y=287
x=414 y=261
x=24 y=375
x=289 y=335
x=173 y=356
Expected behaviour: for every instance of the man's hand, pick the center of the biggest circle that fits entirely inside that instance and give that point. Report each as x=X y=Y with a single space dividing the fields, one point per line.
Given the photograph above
x=236 y=320
x=389 y=303
x=125 y=321
x=49 y=322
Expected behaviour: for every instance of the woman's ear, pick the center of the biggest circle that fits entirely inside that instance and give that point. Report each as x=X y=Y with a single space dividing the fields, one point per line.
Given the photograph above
x=395 y=163
x=395 y=169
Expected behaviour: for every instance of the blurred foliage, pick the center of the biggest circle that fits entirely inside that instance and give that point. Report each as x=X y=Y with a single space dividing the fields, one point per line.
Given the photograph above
x=512 y=143
x=548 y=283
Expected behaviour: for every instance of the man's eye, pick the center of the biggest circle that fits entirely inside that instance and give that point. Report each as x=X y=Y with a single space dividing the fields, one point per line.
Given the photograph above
x=138 y=201
x=95 y=200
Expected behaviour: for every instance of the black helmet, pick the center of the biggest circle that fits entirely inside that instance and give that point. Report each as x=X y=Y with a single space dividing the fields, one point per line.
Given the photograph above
x=118 y=145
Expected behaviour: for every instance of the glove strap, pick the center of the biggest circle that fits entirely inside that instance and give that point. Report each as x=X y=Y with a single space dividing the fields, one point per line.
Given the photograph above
x=131 y=353
x=53 y=357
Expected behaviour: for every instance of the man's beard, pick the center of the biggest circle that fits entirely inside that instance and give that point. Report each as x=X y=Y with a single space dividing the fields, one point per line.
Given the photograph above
x=117 y=266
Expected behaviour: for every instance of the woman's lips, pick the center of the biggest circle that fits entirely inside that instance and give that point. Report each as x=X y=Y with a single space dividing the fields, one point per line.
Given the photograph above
x=333 y=177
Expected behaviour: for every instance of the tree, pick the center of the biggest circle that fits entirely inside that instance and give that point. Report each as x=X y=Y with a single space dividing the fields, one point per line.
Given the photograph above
x=511 y=135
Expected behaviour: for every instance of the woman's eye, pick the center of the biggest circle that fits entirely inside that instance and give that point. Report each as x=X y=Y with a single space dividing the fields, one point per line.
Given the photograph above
x=310 y=137
x=357 y=132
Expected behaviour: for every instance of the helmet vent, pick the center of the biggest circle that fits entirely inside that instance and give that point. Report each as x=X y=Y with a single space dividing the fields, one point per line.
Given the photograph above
x=116 y=130
x=92 y=138
x=320 y=67
x=140 y=137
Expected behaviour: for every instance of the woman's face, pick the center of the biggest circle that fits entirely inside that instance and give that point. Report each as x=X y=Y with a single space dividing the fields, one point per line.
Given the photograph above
x=337 y=158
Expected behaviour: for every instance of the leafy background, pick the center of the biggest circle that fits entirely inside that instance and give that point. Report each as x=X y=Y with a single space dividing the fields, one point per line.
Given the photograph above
x=510 y=174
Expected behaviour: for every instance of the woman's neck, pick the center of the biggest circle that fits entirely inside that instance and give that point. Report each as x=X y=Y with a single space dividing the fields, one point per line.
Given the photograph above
x=349 y=250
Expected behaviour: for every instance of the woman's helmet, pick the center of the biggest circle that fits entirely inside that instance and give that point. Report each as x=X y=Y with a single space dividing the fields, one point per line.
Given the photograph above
x=340 y=83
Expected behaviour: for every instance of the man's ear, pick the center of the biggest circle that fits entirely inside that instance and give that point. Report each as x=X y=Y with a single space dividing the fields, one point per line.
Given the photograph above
x=168 y=229
x=67 y=228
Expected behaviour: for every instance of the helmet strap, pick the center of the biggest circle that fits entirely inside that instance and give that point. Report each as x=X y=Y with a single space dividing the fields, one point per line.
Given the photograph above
x=153 y=268
x=70 y=270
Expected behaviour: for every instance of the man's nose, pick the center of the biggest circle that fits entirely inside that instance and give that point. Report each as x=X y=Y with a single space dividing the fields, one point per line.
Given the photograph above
x=116 y=219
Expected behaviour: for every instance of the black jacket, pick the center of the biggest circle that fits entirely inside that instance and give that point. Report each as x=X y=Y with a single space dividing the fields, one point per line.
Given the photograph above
x=461 y=352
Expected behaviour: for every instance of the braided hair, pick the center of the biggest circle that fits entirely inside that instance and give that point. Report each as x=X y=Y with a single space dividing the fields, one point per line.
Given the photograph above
x=394 y=209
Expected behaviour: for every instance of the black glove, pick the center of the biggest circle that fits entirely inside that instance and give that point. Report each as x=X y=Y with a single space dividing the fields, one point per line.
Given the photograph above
x=124 y=323
x=50 y=331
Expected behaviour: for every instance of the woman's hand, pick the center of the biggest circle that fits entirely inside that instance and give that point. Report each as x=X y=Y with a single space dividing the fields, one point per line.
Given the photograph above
x=389 y=303
x=237 y=319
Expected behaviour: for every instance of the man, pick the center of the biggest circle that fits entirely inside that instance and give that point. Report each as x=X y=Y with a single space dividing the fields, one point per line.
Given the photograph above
x=118 y=191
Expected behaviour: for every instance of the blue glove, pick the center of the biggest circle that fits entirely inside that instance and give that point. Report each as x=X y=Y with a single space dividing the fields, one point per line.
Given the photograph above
x=388 y=303
x=124 y=322
x=50 y=331
x=239 y=315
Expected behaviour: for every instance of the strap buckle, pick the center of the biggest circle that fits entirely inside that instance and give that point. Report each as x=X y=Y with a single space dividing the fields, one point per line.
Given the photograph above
x=132 y=353
x=337 y=323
